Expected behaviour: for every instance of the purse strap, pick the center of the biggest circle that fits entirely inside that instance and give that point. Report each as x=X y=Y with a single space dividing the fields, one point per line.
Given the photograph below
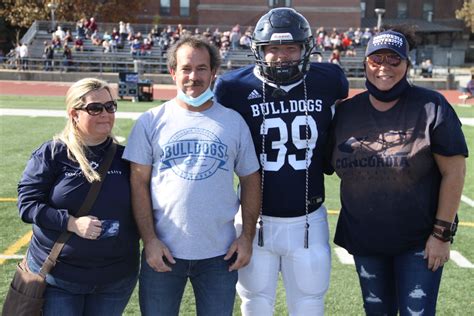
x=50 y=261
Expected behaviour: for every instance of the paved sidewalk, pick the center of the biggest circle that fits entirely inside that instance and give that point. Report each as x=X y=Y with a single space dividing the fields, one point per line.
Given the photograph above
x=57 y=113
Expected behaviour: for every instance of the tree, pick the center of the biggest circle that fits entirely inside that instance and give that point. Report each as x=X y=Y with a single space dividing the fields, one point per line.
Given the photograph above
x=22 y=13
x=466 y=13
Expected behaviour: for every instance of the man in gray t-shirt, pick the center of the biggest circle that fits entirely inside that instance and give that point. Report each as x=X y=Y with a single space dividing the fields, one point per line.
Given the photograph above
x=183 y=157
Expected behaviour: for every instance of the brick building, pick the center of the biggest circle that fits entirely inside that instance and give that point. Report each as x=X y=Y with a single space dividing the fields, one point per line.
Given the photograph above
x=330 y=13
x=327 y=13
x=443 y=38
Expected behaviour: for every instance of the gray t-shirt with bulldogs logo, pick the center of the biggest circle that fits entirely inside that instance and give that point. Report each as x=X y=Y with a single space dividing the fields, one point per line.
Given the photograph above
x=193 y=156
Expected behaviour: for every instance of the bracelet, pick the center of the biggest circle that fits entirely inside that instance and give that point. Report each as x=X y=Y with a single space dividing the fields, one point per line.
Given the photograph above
x=439 y=237
x=438 y=233
x=444 y=224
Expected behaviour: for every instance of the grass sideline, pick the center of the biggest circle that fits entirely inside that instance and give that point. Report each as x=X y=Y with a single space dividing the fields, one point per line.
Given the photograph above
x=19 y=136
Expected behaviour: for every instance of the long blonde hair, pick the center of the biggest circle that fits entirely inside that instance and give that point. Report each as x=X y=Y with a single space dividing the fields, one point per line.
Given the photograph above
x=70 y=136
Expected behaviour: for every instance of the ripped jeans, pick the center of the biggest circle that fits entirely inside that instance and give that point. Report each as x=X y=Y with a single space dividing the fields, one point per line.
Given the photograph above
x=398 y=283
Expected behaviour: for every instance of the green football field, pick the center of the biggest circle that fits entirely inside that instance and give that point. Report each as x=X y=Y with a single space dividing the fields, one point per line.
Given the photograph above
x=20 y=135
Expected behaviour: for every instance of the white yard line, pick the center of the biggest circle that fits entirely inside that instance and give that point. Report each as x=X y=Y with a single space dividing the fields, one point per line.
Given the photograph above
x=456 y=257
x=343 y=256
x=130 y=115
x=32 y=113
x=6 y=257
x=467 y=200
x=467 y=121
x=460 y=260
x=57 y=113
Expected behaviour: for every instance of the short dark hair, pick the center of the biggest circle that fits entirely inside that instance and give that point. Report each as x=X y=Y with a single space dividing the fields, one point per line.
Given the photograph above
x=194 y=42
x=408 y=30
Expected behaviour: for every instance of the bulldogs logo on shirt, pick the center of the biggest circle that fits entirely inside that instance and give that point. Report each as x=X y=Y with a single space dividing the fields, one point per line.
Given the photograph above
x=194 y=154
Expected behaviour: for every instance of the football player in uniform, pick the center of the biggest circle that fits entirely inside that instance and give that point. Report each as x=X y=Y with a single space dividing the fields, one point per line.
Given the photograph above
x=288 y=104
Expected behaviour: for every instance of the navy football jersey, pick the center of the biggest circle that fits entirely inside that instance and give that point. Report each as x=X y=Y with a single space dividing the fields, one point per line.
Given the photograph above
x=285 y=139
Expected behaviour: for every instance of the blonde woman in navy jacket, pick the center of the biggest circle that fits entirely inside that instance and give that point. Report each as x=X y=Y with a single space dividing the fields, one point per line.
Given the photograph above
x=97 y=269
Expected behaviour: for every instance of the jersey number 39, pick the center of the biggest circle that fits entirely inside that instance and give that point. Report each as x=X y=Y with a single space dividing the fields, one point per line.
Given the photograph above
x=298 y=140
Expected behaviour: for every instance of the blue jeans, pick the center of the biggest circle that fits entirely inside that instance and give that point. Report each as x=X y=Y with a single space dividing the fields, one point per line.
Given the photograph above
x=67 y=298
x=214 y=287
x=398 y=283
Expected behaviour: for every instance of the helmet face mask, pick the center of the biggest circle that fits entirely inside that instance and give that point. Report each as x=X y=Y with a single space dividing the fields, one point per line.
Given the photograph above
x=281 y=72
x=279 y=27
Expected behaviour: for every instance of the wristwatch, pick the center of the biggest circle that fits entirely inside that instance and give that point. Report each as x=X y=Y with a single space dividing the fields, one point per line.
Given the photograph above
x=444 y=233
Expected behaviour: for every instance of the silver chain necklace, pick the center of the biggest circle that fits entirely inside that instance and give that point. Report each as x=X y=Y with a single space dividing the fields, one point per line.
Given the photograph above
x=263 y=159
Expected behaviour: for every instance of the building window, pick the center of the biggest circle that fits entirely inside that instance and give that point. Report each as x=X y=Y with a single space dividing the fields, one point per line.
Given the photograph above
x=279 y=3
x=184 y=8
x=428 y=10
x=402 y=10
x=363 y=7
x=165 y=7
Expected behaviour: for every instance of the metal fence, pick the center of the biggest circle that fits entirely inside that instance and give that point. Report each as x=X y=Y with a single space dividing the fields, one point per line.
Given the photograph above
x=85 y=65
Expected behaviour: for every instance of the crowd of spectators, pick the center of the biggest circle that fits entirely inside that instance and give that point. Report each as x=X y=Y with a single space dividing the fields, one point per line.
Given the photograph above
x=426 y=68
x=21 y=54
x=342 y=42
x=225 y=41
x=123 y=38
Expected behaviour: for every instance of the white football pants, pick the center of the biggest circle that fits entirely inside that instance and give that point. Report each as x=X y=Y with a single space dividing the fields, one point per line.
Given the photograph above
x=305 y=272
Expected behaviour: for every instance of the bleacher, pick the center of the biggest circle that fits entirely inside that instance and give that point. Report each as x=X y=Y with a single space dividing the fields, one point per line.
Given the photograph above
x=352 y=66
x=93 y=59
